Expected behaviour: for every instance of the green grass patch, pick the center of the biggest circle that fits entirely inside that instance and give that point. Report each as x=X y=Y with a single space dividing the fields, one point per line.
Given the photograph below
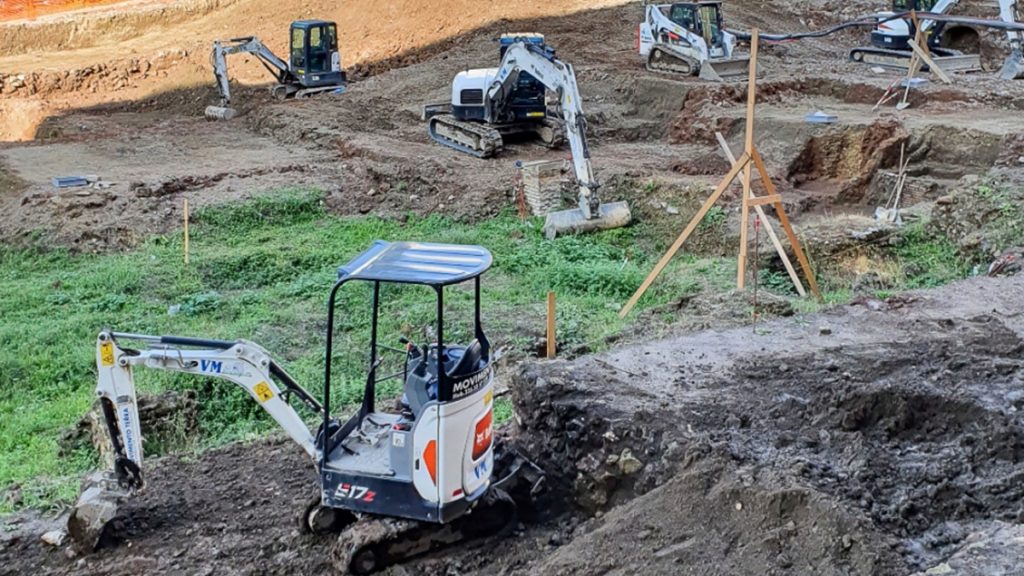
x=262 y=270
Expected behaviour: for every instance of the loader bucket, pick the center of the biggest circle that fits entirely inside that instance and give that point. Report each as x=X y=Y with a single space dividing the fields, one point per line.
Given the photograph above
x=219 y=113
x=1013 y=68
x=610 y=215
x=727 y=68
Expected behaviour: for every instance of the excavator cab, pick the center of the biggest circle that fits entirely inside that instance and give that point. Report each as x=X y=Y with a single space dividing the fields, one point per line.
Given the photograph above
x=314 y=58
x=432 y=460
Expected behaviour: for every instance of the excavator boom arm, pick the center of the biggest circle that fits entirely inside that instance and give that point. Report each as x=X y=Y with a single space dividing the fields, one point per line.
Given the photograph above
x=244 y=363
x=559 y=77
x=249 y=45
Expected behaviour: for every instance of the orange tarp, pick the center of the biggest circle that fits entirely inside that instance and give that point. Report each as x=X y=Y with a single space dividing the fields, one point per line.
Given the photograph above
x=29 y=9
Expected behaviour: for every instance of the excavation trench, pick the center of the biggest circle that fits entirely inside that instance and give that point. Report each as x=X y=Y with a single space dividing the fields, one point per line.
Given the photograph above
x=865 y=459
x=858 y=166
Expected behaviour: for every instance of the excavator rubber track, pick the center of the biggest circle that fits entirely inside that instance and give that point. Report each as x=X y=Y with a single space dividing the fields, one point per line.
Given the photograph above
x=468 y=137
x=372 y=543
x=949 y=60
x=662 y=60
x=667 y=61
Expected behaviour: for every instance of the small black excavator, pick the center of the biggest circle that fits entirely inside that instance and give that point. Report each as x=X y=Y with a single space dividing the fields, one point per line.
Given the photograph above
x=313 y=65
x=394 y=483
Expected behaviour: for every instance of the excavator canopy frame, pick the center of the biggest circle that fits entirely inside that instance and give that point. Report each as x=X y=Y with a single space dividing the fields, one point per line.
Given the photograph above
x=414 y=263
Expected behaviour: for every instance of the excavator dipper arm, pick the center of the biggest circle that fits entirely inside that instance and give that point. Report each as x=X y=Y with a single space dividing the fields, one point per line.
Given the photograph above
x=249 y=45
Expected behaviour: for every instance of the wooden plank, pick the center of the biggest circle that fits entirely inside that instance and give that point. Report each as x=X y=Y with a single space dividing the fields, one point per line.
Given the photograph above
x=551 y=325
x=741 y=261
x=931 y=63
x=185 y=210
x=751 y=91
x=767 y=226
x=762 y=200
x=722 y=186
x=787 y=227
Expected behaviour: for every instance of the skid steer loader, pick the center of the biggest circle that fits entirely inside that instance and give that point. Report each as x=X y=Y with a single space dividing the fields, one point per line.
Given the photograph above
x=432 y=463
x=688 y=38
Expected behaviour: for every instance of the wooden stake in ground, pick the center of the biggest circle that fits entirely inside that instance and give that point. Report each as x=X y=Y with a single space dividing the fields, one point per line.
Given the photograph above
x=551 y=325
x=185 y=210
x=750 y=154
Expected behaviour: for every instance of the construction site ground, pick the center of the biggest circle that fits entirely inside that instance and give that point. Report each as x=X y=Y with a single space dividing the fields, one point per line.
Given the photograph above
x=854 y=441
x=882 y=437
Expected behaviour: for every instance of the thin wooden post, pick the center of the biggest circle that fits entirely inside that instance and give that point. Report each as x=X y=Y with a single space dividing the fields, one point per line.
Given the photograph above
x=741 y=264
x=185 y=209
x=787 y=227
x=551 y=325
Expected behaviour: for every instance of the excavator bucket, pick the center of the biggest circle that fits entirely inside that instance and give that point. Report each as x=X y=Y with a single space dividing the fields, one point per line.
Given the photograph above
x=97 y=507
x=1013 y=68
x=726 y=68
x=610 y=215
x=219 y=113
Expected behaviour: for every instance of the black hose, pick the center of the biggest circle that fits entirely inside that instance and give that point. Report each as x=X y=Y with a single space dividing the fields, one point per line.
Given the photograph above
x=872 y=21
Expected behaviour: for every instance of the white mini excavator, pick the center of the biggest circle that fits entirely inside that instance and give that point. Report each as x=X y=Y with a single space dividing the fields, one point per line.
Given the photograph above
x=688 y=38
x=489 y=104
x=896 y=29
x=429 y=473
x=313 y=65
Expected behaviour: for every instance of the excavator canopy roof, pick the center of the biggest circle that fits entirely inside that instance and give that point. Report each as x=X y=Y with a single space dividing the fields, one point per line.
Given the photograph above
x=417 y=263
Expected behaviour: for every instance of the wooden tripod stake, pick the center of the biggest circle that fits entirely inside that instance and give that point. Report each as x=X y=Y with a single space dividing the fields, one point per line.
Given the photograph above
x=745 y=165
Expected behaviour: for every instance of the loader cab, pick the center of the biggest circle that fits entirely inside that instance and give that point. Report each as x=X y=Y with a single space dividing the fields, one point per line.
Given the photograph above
x=314 y=56
x=433 y=458
x=701 y=18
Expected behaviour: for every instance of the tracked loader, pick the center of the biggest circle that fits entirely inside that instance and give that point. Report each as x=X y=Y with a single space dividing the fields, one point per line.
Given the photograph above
x=689 y=39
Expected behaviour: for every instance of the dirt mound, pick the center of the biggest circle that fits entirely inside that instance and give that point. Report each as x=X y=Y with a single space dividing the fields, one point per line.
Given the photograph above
x=907 y=451
x=704 y=521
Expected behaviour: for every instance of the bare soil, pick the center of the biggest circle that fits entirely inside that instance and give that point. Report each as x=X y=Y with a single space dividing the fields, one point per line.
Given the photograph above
x=126 y=106
x=882 y=439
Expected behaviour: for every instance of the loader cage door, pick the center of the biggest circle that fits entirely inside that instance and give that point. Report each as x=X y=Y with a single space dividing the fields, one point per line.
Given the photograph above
x=711 y=24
